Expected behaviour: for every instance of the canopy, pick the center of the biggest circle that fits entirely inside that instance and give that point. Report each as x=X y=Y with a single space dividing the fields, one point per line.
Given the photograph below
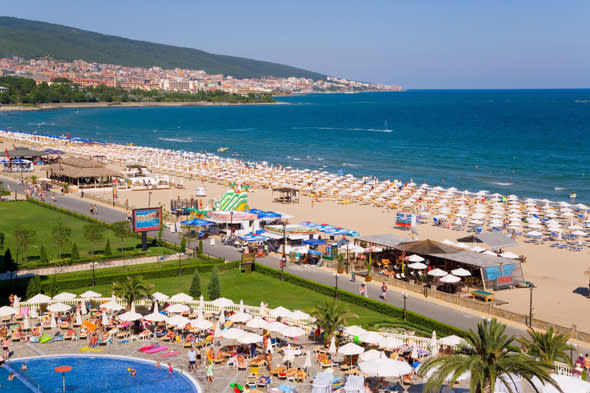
x=252 y=237
x=196 y=222
x=495 y=240
x=314 y=242
x=314 y=252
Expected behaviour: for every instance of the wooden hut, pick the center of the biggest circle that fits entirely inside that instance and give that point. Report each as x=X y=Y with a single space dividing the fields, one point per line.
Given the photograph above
x=82 y=172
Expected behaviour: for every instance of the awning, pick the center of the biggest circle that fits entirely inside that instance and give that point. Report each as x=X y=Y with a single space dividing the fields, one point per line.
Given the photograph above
x=495 y=240
x=197 y=222
x=314 y=242
x=384 y=240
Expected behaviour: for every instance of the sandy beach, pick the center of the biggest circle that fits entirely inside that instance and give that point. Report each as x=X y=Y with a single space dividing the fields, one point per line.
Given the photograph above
x=557 y=274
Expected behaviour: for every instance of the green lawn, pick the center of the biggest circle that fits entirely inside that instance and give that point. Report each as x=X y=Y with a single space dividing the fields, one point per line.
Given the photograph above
x=254 y=288
x=42 y=220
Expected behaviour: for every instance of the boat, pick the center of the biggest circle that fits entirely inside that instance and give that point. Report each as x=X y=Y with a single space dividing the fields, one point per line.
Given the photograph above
x=222 y=149
x=385 y=128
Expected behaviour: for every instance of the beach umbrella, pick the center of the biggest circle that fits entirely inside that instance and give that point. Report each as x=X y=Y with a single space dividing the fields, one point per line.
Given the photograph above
x=159 y=296
x=33 y=312
x=415 y=258
x=332 y=347
x=293 y=331
x=307 y=363
x=460 y=272
x=280 y=312
x=105 y=318
x=64 y=296
x=90 y=295
x=534 y=234
x=178 y=308
x=222 y=302
x=27 y=323
x=179 y=321
x=354 y=330
x=262 y=309
x=450 y=279
x=463 y=377
x=351 y=349
x=58 y=307
x=300 y=315
x=201 y=324
x=417 y=266
x=385 y=368
x=155 y=316
x=579 y=233
x=289 y=355
x=241 y=306
x=39 y=299
x=390 y=342
x=112 y=305
x=201 y=304
x=451 y=341
x=276 y=327
x=249 y=338
x=131 y=315
x=370 y=337
x=181 y=297
x=257 y=323
x=433 y=344
x=240 y=317
x=437 y=273
x=232 y=333
x=78 y=318
x=371 y=355
x=52 y=322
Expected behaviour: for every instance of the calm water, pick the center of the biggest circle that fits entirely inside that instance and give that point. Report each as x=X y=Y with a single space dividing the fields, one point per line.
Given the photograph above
x=530 y=143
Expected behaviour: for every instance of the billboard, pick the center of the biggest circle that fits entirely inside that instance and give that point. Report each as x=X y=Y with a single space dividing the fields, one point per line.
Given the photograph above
x=148 y=219
x=405 y=220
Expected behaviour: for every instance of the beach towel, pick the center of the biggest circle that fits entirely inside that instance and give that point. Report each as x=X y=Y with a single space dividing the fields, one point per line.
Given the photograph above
x=147 y=347
x=169 y=354
x=123 y=341
x=156 y=349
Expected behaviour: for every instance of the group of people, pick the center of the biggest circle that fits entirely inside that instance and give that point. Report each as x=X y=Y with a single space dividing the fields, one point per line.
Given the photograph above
x=363 y=290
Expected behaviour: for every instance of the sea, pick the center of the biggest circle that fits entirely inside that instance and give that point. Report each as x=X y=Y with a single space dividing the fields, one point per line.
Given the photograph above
x=531 y=143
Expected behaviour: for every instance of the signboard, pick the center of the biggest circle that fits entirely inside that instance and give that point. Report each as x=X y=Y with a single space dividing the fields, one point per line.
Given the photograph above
x=405 y=220
x=148 y=219
x=501 y=276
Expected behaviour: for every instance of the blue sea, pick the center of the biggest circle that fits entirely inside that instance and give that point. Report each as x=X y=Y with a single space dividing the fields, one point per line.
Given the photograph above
x=532 y=143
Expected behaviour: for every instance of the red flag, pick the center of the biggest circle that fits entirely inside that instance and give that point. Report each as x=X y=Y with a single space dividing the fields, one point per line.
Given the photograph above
x=7 y=155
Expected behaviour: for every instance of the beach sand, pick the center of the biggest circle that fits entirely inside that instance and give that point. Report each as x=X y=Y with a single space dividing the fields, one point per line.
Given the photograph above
x=557 y=274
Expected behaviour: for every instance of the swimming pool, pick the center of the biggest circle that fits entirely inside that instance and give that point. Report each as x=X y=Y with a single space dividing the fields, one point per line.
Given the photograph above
x=94 y=374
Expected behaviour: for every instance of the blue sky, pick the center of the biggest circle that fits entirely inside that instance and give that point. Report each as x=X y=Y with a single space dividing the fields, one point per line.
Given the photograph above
x=416 y=44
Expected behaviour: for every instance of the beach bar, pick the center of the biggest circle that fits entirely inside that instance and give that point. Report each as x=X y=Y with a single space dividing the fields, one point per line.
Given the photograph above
x=82 y=172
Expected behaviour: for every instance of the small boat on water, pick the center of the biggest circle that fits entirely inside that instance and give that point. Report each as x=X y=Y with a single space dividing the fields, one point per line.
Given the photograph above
x=222 y=149
x=386 y=128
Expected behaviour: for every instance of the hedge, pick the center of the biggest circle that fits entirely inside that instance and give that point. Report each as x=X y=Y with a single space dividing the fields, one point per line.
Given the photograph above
x=421 y=322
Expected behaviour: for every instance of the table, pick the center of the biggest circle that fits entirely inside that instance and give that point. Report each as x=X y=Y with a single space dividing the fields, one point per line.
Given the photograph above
x=485 y=296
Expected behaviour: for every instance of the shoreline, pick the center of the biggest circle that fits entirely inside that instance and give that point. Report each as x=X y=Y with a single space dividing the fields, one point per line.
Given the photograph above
x=87 y=105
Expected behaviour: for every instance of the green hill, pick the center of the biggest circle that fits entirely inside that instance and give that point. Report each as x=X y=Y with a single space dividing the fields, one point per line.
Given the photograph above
x=31 y=39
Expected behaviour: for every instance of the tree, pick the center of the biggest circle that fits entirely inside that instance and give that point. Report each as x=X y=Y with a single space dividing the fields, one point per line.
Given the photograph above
x=121 y=230
x=487 y=355
x=1 y=240
x=200 y=248
x=75 y=253
x=93 y=233
x=131 y=289
x=53 y=287
x=183 y=244
x=548 y=347
x=214 y=287
x=61 y=236
x=195 y=290
x=330 y=315
x=8 y=263
x=24 y=238
x=189 y=235
x=34 y=286
x=43 y=255
x=107 y=249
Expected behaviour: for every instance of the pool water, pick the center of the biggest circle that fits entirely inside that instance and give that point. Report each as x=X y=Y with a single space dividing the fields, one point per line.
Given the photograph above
x=94 y=374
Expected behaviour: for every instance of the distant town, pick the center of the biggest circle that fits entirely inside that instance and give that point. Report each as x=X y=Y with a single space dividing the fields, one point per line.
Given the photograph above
x=87 y=74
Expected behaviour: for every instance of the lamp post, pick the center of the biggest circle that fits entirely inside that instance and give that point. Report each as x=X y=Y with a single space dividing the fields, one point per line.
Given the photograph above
x=336 y=276
x=405 y=296
x=284 y=257
x=180 y=255
x=531 y=287
x=149 y=198
x=93 y=264
x=347 y=260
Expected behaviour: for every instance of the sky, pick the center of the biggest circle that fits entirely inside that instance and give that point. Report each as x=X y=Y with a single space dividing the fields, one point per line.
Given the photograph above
x=425 y=44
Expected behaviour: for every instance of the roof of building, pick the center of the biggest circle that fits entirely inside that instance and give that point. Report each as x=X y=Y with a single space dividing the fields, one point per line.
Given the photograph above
x=385 y=240
x=75 y=167
x=495 y=240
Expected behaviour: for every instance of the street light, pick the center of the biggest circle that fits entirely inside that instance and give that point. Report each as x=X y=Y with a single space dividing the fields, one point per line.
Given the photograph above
x=531 y=287
x=180 y=255
x=405 y=296
x=336 y=275
x=284 y=257
x=93 y=264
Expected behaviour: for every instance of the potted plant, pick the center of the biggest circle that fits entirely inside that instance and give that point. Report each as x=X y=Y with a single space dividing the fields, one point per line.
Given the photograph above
x=340 y=263
x=369 y=264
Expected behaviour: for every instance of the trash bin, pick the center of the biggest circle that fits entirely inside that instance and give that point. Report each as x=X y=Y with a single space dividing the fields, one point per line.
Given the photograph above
x=248 y=267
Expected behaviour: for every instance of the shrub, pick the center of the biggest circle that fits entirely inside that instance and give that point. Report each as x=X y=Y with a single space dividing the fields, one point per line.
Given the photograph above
x=195 y=290
x=34 y=287
x=214 y=288
x=75 y=253
x=53 y=287
x=43 y=255
x=107 y=249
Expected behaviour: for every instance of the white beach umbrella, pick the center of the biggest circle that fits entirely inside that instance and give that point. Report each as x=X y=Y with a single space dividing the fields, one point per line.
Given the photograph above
x=415 y=258
x=276 y=327
x=131 y=315
x=460 y=272
x=64 y=296
x=351 y=349
x=371 y=355
x=179 y=321
x=280 y=312
x=222 y=302
x=83 y=309
x=293 y=331
x=463 y=377
x=201 y=324
x=241 y=305
x=509 y=255
x=332 y=346
x=450 y=279
x=262 y=309
x=437 y=273
x=78 y=318
x=417 y=266
x=27 y=323
x=90 y=295
x=249 y=338
x=579 y=233
x=6 y=311
x=181 y=297
x=240 y=317
x=58 y=307
x=178 y=308
x=232 y=333
x=52 y=322
x=300 y=315
x=159 y=296
x=112 y=305
x=451 y=340
x=39 y=299
x=371 y=338
x=155 y=316
x=307 y=363
x=385 y=368
x=390 y=342
x=535 y=234
x=257 y=323
x=105 y=319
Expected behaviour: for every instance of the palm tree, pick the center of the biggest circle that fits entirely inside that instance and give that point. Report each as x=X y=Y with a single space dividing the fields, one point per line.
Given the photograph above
x=131 y=289
x=330 y=315
x=548 y=347
x=488 y=357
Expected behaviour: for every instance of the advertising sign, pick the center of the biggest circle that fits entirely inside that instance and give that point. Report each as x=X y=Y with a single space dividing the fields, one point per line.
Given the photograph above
x=147 y=219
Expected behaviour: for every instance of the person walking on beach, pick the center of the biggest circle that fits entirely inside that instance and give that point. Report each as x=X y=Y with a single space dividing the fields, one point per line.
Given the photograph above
x=210 y=373
x=192 y=360
x=383 y=291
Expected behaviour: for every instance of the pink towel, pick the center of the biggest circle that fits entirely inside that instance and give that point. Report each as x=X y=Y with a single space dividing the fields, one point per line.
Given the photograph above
x=169 y=354
x=156 y=349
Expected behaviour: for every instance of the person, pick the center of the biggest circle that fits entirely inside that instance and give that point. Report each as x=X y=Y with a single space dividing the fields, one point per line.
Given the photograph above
x=383 y=290
x=269 y=360
x=5 y=348
x=199 y=357
x=24 y=367
x=132 y=372
x=170 y=368
x=352 y=276
x=587 y=364
x=363 y=290
x=210 y=372
x=192 y=360
x=91 y=210
x=157 y=364
x=95 y=210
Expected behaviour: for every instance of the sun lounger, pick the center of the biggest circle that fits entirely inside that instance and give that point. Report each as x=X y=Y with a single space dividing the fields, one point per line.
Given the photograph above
x=277 y=370
x=263 y=381
x=170 y=354
x=156 y=349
